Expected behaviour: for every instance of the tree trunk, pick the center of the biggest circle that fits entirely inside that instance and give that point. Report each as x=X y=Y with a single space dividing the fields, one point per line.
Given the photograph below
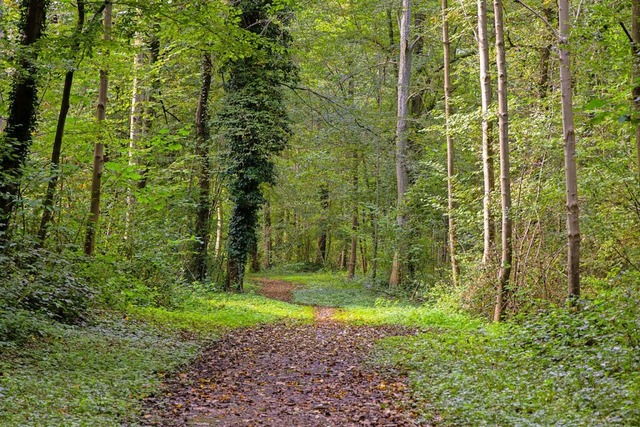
x=135 y=125
x=635 y=51
x=402 y=178
x=218 y=245
x=321 y=258
x=353 y=253
x=505 y=179
x=489 y=225
x=569 y=137
x=450 y=155
x=203 y=209
x=266 y=237
x=16 y=140
x=98 y=151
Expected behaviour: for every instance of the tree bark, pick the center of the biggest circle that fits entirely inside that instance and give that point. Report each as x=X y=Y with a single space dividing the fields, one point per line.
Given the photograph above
x=402 y=178
x=505 y=179
x=98 y=151
x=203 y=209
x=23 y=99
x=455 y=271
x=489 y=225
x=569 y=137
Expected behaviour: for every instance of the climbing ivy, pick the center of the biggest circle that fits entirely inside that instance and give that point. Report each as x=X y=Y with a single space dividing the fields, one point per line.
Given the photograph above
x=254 y=122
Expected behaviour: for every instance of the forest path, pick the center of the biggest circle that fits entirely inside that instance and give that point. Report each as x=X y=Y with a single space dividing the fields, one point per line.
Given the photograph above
x=287 y=374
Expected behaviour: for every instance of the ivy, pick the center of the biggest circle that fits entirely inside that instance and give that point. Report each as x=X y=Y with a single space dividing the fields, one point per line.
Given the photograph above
x=255 y=123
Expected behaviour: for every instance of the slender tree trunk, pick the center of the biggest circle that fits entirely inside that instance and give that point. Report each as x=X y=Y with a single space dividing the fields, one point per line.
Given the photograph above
x=135 y=124
x=450 y=154
x=203 y=210
x=266 y=237
x=16 y=140
x=635 y=51
x=47 y=204
x=218 y=245
x=487 y=138
x=402 y=177
x=322 y=240
x=569 y=137
x=98 y=151
x=353 y=253
x=505 y=179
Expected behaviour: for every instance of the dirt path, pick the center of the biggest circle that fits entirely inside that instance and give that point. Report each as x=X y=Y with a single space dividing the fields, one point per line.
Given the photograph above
x=286 y=375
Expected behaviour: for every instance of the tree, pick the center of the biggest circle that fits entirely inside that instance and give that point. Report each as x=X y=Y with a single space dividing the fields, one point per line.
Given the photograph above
x=487 y=137
x=98 y=150
x=76 y=43
x=505 y=179
x=23 y=99
x=203 y=203
x=450 y=155
x=255 y=125
x=402 y=176
x=569 y=138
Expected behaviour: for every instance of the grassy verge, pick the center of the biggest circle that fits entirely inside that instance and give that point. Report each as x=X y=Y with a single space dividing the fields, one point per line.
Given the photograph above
x=96 y=375
x=329 y=289
x=563 y=367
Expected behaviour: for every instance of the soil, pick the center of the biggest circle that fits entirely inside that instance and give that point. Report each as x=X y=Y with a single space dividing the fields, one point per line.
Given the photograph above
x=287 y=374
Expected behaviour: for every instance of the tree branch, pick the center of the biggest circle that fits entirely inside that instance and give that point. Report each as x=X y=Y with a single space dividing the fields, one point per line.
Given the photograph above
x=553 y=30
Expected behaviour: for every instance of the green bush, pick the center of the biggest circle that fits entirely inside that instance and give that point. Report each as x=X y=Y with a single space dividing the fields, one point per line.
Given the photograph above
x=45 y=283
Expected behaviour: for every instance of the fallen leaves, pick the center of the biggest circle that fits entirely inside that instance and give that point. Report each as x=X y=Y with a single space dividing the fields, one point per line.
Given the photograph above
x=285 y=374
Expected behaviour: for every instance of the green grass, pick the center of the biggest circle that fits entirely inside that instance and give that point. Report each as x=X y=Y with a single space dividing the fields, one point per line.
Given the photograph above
x=96 y=376
x=220 y=311
x=329 y=289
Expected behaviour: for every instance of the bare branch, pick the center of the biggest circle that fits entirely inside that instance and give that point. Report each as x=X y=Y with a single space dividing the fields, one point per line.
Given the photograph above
x=553 y=30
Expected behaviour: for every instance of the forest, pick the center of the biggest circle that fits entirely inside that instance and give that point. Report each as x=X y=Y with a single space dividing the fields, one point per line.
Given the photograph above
x=338 y=212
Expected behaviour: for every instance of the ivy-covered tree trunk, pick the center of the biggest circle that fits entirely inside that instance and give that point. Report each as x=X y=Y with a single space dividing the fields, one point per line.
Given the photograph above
x=255 y=123
x=16 y=141
x=203 y=209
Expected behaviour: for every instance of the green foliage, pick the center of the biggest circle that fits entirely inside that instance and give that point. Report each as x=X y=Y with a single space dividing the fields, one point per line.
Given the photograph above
x=97 y=375
x=561 y=367
x=90 y=376
x=255 y=123
x=43 y=283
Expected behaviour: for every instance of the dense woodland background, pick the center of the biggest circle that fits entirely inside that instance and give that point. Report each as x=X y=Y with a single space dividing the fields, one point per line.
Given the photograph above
x=432 y=164
x=169 y=186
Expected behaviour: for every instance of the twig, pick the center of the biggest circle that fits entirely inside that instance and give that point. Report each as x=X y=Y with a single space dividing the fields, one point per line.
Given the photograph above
x=627 y=32
x=553 y=30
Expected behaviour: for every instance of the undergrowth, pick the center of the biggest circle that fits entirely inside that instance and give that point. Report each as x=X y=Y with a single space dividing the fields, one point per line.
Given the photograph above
x=97 y=374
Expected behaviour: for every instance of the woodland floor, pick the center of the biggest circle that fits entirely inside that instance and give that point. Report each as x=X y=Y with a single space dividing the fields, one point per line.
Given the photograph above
x=287 y=374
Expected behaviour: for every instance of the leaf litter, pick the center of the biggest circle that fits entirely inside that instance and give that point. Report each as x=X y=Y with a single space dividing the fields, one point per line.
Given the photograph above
x=287 y=374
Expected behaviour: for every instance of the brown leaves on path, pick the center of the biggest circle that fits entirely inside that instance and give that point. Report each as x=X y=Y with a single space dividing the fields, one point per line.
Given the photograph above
x=287 y=374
